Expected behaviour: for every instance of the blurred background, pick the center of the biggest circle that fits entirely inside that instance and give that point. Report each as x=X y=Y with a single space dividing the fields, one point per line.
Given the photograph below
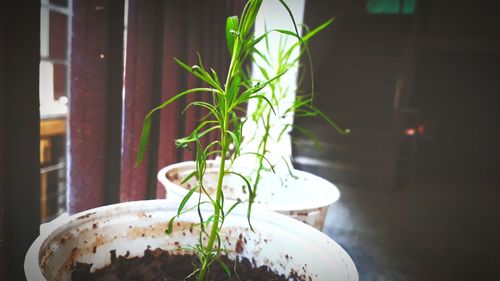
x=418 y=84
x=416 y=81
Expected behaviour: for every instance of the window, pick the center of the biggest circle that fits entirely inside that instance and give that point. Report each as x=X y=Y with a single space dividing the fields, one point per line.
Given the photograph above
x=391 y=6
x=55 y=27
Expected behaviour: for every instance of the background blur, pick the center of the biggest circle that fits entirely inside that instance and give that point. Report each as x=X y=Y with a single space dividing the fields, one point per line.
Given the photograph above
x=418 y=84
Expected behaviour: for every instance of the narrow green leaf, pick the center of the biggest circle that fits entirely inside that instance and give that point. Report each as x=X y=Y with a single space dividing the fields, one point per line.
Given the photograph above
x=262 y=97
x=236 y=142
x=212 y=109
x=316 y=30
x=289 y=168
x=232 y=207
x=185 y=200
x=231 y=32
x=197 y=71
x=261 y=56
x=262 y=157
x=245 y=96
x=331 y=123
x=146 y=129
x=306 y=132
x=224 y=267
x=194 y=136
x=191 y=175
x=283 y=130
x=216 y=77
x=251 y=196
x=170 y=226
x=264 y=72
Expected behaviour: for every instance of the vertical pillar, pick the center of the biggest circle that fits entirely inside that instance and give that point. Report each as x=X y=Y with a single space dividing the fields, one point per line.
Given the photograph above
x=95 y=104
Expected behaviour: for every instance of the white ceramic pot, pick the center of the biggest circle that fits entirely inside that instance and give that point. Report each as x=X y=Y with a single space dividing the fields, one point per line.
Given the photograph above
x=132 y=227
x=303 y=196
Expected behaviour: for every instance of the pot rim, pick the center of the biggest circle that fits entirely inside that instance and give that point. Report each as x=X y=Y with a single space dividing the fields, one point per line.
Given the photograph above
x=329 y=191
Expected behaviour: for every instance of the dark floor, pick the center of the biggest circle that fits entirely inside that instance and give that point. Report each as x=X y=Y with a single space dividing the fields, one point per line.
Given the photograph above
x=420 y=231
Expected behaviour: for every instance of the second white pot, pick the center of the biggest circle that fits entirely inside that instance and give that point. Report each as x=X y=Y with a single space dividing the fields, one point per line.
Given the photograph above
x=303 y=196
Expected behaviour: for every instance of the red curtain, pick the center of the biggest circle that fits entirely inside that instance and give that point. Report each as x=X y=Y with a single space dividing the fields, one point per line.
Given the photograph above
x=104 y=129
x=151 y=76
x=144 y=33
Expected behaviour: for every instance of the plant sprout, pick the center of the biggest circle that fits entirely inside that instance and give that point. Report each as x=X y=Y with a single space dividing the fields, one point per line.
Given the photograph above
x=228 y=98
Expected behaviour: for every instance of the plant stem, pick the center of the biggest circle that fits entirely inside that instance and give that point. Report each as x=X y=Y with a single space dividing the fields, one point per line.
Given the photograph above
x=226 y=110
x=218 y=197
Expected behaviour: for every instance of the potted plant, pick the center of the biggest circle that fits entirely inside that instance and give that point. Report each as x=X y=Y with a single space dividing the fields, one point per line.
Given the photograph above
x=281 y=188
x=209 y=240
x=100 y=236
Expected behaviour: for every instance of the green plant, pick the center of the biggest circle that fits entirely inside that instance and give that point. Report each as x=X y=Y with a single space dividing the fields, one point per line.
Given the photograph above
x=269 y=64
x=227 y=100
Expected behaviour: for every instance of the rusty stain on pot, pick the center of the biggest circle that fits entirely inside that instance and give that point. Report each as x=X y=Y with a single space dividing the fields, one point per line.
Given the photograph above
x=142 y=215
x=99 y=241
x=73 y=255
x=66 y=237
x=141 y=231
x=239 y=245
x=314 y=217
x=43 y=256
x=173 y=175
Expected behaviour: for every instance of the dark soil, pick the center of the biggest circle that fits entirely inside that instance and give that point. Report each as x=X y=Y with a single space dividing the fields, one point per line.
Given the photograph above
x=159 y=265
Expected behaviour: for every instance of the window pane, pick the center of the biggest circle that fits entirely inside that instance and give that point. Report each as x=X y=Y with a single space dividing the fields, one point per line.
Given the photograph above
x=63 y=3
x=44 y=32
x=391 y=6
x=383 y=6
x=58 y=24
x=59 y=81
x=53 y=108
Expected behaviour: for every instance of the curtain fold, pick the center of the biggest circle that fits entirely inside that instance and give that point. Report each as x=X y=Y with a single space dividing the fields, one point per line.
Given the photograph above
x=187 y=27
x=194 y=35
x=144 y=57
x=172 y=82
x=103 y=147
